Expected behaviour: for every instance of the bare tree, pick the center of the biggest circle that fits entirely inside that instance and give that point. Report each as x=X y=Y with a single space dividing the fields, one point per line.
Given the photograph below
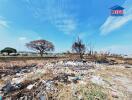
x=79 y=47
x=42 y=46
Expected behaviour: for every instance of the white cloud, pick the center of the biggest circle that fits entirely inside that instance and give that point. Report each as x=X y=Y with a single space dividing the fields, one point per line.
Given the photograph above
x=84 y=35
x=112 y=23
x=22 y=38
x=9 y=39
x=59 y=13
x=3 y=23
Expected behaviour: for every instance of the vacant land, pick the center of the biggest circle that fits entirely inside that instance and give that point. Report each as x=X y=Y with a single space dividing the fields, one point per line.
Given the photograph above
x=62 y=79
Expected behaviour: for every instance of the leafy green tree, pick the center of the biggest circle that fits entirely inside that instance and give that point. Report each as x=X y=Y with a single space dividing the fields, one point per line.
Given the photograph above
x=9 y=50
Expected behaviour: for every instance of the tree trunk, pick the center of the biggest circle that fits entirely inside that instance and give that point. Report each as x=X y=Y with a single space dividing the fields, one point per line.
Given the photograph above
x=8 y=53
x=81 y=56
x=41 y=53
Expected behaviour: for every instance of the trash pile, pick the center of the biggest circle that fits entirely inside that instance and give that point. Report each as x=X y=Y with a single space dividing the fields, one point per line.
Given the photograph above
x=53 y=80
x=38 y=80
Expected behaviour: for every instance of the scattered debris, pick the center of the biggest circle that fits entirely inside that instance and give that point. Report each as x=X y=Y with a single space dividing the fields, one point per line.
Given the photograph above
x=0 y=97
x=128 y=66
x=65 y=79
x=42 y=98
x=97 y=80
x=114 y=94
x=29 y=87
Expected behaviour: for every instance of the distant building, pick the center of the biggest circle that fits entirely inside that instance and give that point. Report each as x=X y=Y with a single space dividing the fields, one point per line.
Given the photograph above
x=117 y=11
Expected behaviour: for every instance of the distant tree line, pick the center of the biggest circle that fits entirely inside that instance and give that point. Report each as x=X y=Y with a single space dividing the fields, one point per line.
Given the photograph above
x=44 y=47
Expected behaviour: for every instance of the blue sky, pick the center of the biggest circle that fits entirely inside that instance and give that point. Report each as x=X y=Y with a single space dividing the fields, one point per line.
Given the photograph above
x=62 y=21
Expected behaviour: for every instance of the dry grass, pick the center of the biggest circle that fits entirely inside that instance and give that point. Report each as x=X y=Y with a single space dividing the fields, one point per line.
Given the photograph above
x=118 y=71
x=88 y=92
x=119 y=79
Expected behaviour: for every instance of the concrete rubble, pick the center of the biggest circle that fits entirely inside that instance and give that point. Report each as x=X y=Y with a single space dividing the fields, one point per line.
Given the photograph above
x=55 y=80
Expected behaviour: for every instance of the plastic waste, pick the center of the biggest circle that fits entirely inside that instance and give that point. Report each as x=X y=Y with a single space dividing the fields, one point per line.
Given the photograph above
x=0 y=97
x=42 y=98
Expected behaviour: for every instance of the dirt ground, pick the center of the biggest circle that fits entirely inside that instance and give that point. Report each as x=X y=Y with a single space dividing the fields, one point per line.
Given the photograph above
x=64 y=80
